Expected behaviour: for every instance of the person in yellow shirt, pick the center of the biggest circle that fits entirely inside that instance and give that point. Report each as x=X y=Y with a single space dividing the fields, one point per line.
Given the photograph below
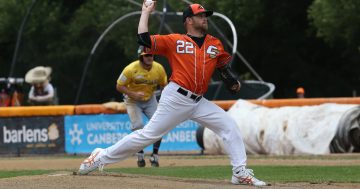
x=137 y=83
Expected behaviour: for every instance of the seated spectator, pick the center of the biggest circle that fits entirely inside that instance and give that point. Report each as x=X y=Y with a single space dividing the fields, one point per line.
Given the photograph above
x=4 y=98
x=41 y=92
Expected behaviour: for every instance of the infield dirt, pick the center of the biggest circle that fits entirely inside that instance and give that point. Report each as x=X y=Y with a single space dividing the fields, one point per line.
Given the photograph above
x=66 y=179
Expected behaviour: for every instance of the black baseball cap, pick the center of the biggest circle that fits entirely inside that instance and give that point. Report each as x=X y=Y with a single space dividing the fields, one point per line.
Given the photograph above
x=195 y=9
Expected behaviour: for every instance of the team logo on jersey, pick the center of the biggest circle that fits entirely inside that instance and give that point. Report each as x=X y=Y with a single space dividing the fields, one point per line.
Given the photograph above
x=212 y=51
x=140 y=81
x=139 y=77
x=122 y=78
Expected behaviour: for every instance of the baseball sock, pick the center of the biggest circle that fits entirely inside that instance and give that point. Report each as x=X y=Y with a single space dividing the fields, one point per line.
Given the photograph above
x=156 y=147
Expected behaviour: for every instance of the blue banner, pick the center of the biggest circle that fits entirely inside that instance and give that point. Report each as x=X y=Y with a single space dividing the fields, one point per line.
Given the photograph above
x=84 y=133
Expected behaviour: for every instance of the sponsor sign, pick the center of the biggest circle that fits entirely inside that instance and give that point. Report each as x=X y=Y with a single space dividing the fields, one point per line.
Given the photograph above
x=32 y=135
x=84 y=133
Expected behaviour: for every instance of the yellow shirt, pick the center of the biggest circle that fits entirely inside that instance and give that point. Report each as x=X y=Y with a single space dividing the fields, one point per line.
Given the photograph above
x=138 y=79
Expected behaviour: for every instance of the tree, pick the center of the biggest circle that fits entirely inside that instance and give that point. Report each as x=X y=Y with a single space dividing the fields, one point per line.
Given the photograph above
x=274 y=36
x=337 y=21
x=278 y=41
x=61 y=34
x=10 y=13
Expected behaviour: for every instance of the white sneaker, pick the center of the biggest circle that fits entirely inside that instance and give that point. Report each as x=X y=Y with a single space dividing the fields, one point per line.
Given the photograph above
x=91 y=163
x=246 y=177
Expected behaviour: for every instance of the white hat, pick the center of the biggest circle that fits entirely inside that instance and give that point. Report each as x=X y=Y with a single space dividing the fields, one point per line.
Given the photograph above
x=38 y=74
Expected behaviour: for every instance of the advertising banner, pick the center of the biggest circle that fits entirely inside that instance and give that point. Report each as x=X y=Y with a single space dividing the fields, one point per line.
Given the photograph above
x=32 y=135
x=84 y=133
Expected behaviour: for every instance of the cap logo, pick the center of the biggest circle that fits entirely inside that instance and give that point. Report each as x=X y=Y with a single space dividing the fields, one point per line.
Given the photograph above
x=195 y=9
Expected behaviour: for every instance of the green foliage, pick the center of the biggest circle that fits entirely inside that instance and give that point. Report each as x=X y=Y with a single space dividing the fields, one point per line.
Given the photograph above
x=61 y=34
x=276 y=37
x=6 y=18
x=247 y=15
x=9 y=14
x=337 y=21
x=88 y=22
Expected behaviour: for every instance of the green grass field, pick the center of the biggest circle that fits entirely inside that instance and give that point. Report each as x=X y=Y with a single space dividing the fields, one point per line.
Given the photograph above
x=310 y=174
x=8 y=174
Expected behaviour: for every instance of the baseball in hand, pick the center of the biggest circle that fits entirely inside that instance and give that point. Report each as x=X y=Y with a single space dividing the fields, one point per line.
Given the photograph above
x=148 y=2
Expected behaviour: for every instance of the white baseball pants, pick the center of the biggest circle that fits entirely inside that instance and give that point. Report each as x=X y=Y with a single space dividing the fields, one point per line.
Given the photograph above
x=173 y=109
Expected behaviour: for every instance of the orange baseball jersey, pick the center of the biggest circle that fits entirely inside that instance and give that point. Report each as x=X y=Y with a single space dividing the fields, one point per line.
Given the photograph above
x=192 y=67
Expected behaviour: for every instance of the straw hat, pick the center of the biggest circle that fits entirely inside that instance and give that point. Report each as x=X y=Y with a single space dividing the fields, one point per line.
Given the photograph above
x=38 y=74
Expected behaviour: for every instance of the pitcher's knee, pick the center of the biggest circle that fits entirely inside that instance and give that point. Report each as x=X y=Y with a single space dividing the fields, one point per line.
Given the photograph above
x=231 y=129
x=146 y=136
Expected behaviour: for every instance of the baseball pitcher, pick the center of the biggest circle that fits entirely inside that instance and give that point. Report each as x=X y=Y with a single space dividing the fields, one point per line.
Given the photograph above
x=193 y=57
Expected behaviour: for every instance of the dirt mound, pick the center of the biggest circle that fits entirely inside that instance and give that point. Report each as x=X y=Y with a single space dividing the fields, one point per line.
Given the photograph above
x=61 y=180
x=66 y=179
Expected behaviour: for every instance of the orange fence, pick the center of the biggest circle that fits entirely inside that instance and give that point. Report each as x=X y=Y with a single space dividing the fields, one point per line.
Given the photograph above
x=96 y=109
x=36 y=111
x=102 y=109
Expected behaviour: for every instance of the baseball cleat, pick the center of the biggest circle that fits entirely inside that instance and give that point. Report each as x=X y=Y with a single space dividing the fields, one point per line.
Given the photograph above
x=91 y=163
x=154 y=160
x=246 y=177
x=141 y=163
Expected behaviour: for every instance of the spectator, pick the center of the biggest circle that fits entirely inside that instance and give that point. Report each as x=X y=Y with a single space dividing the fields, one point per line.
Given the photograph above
x=41 y=91
x=300 y=92
x=11 y=93
x=4 y=98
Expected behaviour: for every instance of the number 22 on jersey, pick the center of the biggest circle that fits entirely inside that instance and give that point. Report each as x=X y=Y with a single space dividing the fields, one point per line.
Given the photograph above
x=183 y=47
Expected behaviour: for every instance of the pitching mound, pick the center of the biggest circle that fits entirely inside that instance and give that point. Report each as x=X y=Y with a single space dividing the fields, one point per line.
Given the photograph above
x=61 y=180
x=66 y=179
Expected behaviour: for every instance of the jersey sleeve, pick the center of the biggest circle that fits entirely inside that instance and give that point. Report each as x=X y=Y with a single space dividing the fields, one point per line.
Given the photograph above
x=224 y=57
x=125 y=77
x=160 y=44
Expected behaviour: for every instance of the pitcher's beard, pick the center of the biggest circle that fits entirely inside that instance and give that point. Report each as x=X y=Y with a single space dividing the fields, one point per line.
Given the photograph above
x=202 y=29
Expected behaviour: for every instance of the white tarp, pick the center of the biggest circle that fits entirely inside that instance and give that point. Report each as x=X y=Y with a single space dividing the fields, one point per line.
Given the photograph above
x=280 y=131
